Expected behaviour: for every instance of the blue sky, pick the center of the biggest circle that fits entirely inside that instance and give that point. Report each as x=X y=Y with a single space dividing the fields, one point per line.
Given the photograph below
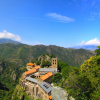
x=51 y=22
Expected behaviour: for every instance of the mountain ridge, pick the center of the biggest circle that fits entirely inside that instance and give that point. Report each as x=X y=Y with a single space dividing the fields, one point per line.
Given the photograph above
x=5 y=40
x=22 y=54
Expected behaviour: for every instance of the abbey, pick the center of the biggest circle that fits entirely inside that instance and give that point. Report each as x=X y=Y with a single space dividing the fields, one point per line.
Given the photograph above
x=37 y=81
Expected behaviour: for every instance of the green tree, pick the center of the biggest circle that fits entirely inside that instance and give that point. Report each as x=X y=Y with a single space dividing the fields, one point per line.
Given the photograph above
x=84 y=83
x=97 y=50
x=79 y=87
x=52 y=56
x=46 y=63
x=61 y=65
x=38 y=62
x=56 y=78
x=65 y=72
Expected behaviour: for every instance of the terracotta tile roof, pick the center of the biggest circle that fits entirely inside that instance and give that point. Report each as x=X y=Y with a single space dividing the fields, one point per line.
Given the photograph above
x=50 y=97
x=37 y=67
x=30 y=64
x=30 y=71
x=44 y=77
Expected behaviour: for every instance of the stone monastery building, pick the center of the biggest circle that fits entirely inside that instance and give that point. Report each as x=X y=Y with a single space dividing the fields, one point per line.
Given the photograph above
x=37 y=80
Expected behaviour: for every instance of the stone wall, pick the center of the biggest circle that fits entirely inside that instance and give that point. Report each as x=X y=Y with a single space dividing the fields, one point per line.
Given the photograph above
x=40 y=80
x=29 y=67
x=54 y=63
x=49 y=80
x=42 y=94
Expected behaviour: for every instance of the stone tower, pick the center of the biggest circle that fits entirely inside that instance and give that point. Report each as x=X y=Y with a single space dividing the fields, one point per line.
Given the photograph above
x=54 y=63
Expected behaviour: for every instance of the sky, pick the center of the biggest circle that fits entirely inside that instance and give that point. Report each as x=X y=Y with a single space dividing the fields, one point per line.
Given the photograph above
x=64 y=23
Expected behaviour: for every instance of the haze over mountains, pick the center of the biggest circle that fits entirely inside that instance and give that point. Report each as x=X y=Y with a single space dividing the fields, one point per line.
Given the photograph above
x=87 y=47
x=5 y=40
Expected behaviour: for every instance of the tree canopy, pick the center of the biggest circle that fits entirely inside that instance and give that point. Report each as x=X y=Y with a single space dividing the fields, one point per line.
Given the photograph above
x=85 y=84
x=97 y=51
x=56 y=78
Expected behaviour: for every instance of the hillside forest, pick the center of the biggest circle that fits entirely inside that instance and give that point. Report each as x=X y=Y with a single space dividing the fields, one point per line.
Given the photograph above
x=22 y=54
x=82 y=83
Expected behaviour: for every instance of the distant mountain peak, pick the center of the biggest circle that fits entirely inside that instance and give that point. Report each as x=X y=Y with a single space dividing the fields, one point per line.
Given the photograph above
x=86 y=47
x=5 y=40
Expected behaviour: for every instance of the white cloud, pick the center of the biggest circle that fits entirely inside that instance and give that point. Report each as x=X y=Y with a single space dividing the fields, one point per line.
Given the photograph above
x=81 y=43
x=94 y=41
x=60 y=18
x=8 y=35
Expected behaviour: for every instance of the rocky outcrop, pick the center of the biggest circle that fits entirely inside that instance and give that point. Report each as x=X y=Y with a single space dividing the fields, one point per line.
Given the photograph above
x=13 y=76
x=44 y=57
x=59 y=94
x=71 y=98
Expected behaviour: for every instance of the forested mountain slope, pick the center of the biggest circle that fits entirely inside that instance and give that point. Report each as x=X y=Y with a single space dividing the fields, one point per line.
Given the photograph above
x=9 y=76
x=22 y=54
x=83 y=83
x=9 y=73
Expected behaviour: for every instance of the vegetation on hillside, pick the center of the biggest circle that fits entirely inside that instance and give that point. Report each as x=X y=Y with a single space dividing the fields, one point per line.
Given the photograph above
x=20 y=94
x=9 y=77
x=21 y=54
x=44 y=60
x=83 y=83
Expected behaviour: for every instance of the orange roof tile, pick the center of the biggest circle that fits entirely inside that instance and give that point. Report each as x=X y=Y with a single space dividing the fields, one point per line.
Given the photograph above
x=50 y=97
x=30 y=71
x=37 y=67
x=30 y=64
x=44 y=77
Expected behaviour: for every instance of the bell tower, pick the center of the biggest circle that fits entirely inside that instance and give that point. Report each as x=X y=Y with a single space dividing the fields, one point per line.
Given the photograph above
x=54 y=63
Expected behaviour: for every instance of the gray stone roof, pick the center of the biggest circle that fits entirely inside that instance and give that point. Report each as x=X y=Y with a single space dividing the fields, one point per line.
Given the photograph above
x=47 y=70
x=46 y=87
x=31 y=79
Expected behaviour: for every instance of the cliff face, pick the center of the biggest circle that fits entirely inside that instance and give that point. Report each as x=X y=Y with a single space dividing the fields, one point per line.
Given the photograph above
x=9 y=73
x=20 y=94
